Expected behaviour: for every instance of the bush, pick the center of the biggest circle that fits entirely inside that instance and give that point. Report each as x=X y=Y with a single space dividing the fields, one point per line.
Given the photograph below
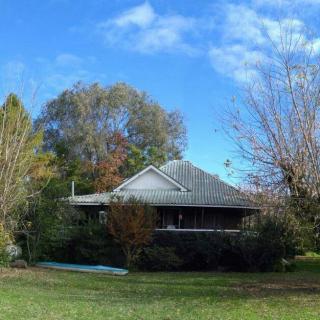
x=45 y=229
x=5 y=239
x=285 y=229
x=261 y=250
x=254 y=252
x=197 y=250
x=91 y=244
x=312 y=254
x=131 y=224
x=56 y=235
x=159 y=259
x=88 y=244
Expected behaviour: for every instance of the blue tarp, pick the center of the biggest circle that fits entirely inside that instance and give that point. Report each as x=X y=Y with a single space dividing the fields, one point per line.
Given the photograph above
x=82 y=268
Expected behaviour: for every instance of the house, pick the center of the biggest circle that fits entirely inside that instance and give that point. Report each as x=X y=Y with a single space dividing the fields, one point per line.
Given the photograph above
x=185 y=196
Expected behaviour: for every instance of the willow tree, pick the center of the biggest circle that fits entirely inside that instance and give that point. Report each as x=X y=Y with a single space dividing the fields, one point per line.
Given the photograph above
x=18 y=144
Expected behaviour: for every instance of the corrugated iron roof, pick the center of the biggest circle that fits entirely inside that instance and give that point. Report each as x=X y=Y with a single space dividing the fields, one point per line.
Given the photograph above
x=204 y=190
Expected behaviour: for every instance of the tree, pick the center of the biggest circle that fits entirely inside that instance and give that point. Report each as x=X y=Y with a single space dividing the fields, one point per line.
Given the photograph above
x=107 y=171
x=18 y=145
x=47 y=224
x=83 y=121
x=131 y=223
x=137 y=159
x=277 y=130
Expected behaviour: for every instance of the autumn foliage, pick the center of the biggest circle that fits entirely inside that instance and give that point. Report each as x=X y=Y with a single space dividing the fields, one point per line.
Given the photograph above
x=131 y=224
x=106 y=172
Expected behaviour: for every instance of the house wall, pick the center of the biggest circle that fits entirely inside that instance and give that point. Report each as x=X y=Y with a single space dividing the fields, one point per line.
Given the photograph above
x=150 y=180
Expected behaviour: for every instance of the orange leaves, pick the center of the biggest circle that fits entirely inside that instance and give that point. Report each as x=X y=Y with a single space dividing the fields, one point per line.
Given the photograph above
x=131 y=224
x=106 y=171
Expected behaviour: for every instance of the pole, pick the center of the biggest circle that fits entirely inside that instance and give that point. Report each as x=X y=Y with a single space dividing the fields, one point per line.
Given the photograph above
x=72 y=189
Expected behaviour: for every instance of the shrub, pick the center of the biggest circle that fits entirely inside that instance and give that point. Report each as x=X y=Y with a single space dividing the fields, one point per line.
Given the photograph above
x=45 y=229
x=254 y=252
x=55 y=234
x=261 y=250
x=159 y=259
x=196 y=250
x=5 y=239
x=312 y=254
x=87 y=244
x=285 y=229
x=131 y=223
x=91 y=244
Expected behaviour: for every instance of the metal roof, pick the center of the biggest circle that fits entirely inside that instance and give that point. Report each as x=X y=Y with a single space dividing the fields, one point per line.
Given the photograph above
x=204 y=189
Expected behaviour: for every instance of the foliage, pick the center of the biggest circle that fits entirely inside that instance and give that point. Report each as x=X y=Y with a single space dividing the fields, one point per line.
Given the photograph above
x=137 y=159
x=55 y=232
x=131 y=223
x=47 y=224
x=103 y=127
x=253 y=252
x=275 y=238
x=18 y=143
x=46 y=230
x=196 y=250
x=91 y=244
x=244 y=251
x=306 y=211
x=5 y=239
x=107 y=171
x=285 y=229
x=312 y=254
x=159 y=259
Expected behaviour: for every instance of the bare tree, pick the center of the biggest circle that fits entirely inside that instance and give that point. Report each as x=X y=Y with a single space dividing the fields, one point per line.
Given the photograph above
x=277 y=130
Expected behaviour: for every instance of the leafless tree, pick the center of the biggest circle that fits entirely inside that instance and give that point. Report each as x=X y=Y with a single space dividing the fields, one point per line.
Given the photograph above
x=276 y=130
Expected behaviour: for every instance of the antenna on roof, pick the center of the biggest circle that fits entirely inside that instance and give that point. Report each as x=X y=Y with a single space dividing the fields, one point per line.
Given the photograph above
x=72 y=189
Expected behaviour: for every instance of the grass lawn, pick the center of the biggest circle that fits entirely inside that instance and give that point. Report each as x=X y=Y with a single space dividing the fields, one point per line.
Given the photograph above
x=41 y=294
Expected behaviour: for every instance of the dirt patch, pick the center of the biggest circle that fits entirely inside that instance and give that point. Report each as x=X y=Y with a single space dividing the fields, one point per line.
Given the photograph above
x=279 y=288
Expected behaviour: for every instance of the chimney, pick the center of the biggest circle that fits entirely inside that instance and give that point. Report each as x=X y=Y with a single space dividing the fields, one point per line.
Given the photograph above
x=72 y=189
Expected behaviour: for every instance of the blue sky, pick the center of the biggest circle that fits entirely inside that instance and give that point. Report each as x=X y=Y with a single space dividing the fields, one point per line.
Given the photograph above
x=191 y=55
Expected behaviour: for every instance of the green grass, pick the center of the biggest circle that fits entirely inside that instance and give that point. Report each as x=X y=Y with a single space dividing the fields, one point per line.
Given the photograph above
x=312 y=254
x=41 y=294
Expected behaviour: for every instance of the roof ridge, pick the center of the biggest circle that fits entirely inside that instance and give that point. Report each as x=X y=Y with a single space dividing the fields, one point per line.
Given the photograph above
x=175 y=160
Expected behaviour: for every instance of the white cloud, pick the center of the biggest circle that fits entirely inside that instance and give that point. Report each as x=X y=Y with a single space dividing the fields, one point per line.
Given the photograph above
x=245 y=40
x=242 y=23
x=141 y=29
x=141 y=16
x=285 y=3
x=316 y=45
x=236 y=61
